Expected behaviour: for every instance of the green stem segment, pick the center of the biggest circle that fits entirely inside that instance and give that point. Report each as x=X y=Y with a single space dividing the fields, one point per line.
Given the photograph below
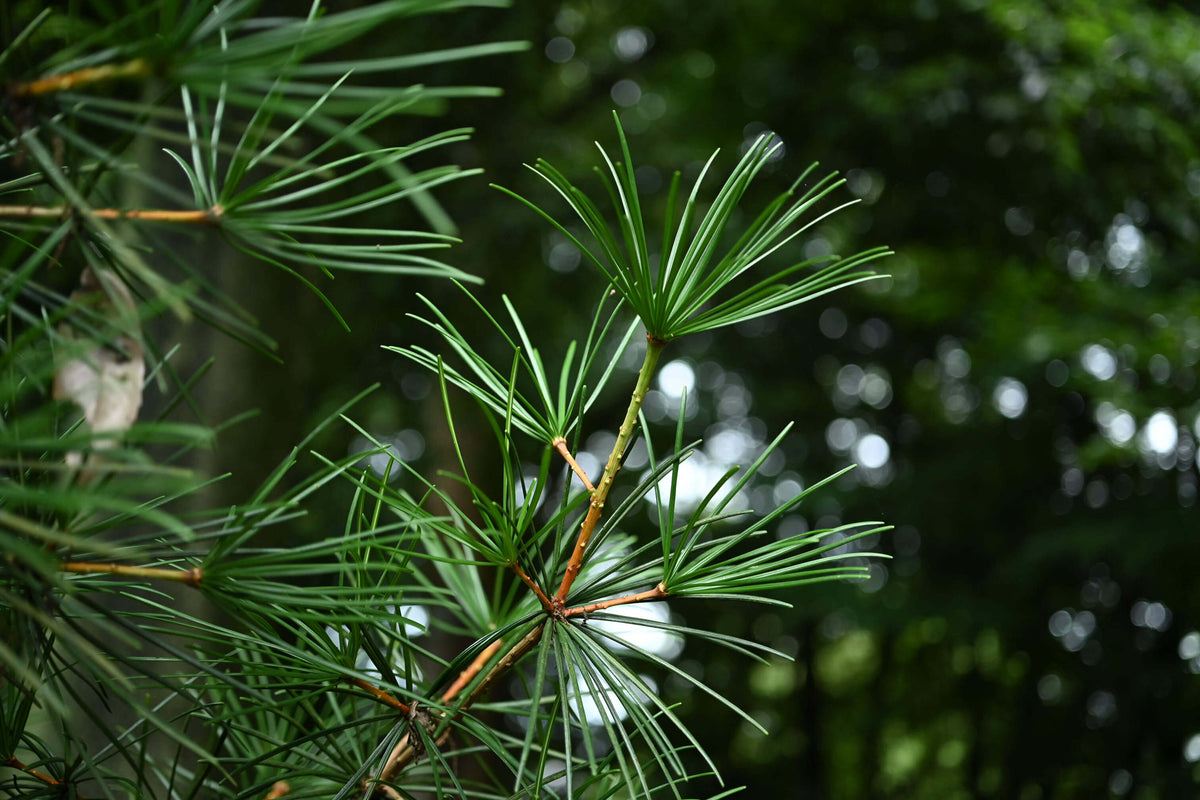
x=654 y=348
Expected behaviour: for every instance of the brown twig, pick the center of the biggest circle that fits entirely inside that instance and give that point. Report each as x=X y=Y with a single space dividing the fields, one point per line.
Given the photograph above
x=379 y=694
x=278 y=790
x=654 y=348
x=400 y=753
x=650 y=595
x=404 y=752
x=533 y=587
x=192 y=577
x=80 y=77
x=560 y=444
x=468 y=674
x=208 y=216
x=15 y=763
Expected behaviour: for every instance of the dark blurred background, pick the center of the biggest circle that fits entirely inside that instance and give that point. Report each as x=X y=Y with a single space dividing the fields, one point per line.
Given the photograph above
x=1020 y=395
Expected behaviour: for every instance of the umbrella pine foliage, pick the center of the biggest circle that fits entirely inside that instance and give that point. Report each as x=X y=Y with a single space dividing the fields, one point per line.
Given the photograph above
x=152 y=647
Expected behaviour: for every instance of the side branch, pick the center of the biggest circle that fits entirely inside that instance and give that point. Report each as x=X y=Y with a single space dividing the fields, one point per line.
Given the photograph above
x=192 y=577
x=81 y=77
x=654 y=348
x=650 y=595
x=13 y=762
x=207 y=216
x=533 y=587
x=379 y=694
x=468 y=674
x=405 y=753
x=560 y=444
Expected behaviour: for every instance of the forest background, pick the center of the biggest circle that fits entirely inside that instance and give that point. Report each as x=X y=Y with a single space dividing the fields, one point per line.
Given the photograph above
x=1020 y=396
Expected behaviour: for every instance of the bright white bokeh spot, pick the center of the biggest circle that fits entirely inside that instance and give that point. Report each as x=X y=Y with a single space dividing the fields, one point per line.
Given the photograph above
x=872 y=451
x=841 y=434
x=675 y=378
x=1152 y=615
x=416 y=621
x=1010 y=397
x=526 y=487
x=1060 y=622
x=1191 y=750
x=956 y=362
x=876 y=389
x=786 y=488
x=596 y=705
x=731 y=445
x=1189 y=646
x=1161 y=434
x=849 y=379
x=631 y=43
x=1099 y=361
x=1116 y=424
x=637 y=633
x=695 y=478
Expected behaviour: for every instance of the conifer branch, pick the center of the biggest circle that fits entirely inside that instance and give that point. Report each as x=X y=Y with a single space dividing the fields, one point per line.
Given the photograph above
x=560 y=444
x=533 y=587
x=15 y=763
x=192 y=577
x=404 y=752
x=81 y=77
x=657 y=593
x=380 y=695
x=473 y=669
x=209 y=216
x=654 y=348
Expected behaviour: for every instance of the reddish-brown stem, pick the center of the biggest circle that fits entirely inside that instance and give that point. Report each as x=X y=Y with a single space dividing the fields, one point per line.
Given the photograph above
x=468 y=674
x=401 y=752
x=80 y=77
x=404 y=753
x=560 y=444
x=191 y=577
x=379 y=694
x=533 y=587
x=16 y=763
x=207 y=216
x=657 y=593
x=278 y=790
x=654 y=348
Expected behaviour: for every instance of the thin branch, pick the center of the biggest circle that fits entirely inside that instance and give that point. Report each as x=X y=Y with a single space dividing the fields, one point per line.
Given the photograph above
x=278 y=790
x=206 y=216
x=560 y=444
x=533 y=587
x=654 y=348
x=379 y=694
x=468 y=674
x=82 y=77
x=191 y=577
x=405 y=753
x=650 y=595
x=15 y=763
x=401 y=752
